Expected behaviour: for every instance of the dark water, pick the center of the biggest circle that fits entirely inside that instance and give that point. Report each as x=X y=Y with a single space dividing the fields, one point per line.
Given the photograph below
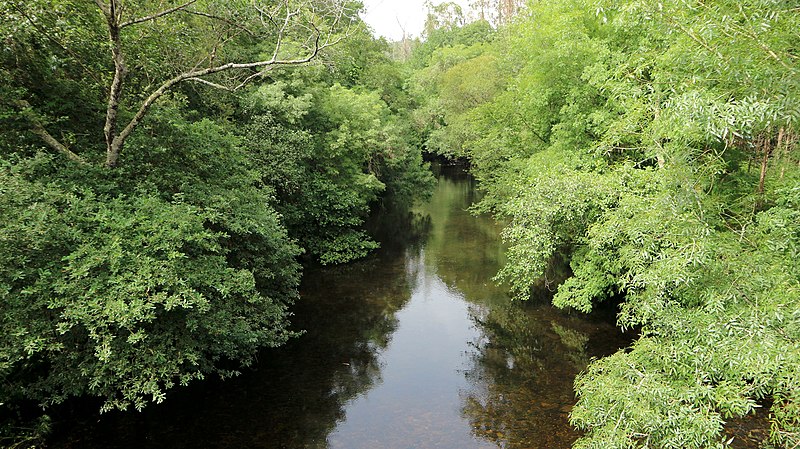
x=415 y=347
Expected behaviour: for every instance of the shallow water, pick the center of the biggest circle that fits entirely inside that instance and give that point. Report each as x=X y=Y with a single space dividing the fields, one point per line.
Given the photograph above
x=415 y=347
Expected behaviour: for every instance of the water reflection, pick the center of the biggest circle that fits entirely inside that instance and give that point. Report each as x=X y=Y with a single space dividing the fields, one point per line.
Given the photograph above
x=415 y=347
x=523 y=363
x=522 y=374
x=417 y=405
x=296 y=396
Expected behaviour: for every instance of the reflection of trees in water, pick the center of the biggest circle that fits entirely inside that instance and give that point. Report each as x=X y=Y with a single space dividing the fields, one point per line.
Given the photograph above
x=521 y=370
x=464 y=251
x=523 y=367
x=399 y=229
x=297 y=394
x=522 y=373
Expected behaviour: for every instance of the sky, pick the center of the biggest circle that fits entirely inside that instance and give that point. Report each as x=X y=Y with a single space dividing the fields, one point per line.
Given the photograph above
x=383 y=16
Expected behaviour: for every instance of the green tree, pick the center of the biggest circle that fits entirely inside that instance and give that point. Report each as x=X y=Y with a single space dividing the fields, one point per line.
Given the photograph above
x=154 y=50
x=329 y=157
x=654 y=145
x=128 y=273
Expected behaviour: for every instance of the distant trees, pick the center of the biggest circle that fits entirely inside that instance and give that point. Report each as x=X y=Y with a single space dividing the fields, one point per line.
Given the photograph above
x=446 y=15
x=498 y=12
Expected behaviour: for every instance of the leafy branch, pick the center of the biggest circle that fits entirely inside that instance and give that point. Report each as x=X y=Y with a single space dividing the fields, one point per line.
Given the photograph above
x=321 y=27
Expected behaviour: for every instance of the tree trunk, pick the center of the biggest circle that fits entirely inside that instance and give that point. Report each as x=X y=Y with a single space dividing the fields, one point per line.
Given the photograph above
x=764 y=164
x=113 y=147
x=784 y=144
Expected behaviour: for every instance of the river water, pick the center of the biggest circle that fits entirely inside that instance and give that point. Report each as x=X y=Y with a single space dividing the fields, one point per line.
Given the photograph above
x=415 y=347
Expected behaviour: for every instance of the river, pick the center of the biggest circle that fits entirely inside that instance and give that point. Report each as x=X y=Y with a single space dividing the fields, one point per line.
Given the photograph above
x=414 y=347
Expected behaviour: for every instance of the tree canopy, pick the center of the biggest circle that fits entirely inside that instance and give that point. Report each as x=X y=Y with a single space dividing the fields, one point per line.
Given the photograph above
x=654 y=147
x=166 y=168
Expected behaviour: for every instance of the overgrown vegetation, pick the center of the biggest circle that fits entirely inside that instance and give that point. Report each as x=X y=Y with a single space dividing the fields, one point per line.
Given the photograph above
x=164 y=169
x=654 y=146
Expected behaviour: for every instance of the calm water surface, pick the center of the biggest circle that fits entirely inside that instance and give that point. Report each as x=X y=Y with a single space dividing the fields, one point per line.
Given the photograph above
x=415 y=347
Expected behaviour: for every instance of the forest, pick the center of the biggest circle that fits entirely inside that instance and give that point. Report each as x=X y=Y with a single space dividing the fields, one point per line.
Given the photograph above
x=167 y=169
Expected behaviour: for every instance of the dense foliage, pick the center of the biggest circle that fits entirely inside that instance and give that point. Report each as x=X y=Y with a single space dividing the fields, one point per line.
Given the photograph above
x=124 y=274
x=151 y=222
x=654 y=146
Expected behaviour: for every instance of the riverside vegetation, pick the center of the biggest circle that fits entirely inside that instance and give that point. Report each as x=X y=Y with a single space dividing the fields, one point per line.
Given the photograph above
x=653 y=146
x=164 y=169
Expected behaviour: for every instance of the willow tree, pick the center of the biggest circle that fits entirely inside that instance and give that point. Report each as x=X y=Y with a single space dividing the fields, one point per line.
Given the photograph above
x=654 y=146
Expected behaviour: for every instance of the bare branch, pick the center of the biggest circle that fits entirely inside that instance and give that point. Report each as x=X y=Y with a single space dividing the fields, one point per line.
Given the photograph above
x=38 y=129
x=252 y=77
x=317 y=47
x=262 y=14
x=116 y=140
x=103 y=7
x=116 y=146
x=157 y=15
x=120 y=71
x=209 y=83
x=282 y=30
x=55 y=144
